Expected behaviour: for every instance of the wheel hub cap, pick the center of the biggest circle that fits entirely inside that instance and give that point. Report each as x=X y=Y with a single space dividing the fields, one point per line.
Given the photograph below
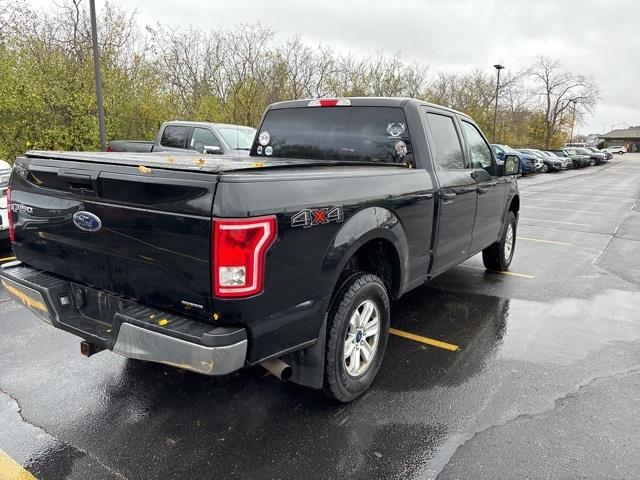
x=508 y=244
x=361 y=338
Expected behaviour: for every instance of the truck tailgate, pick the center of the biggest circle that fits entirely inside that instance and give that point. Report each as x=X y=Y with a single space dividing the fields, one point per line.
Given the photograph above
x=137 y=232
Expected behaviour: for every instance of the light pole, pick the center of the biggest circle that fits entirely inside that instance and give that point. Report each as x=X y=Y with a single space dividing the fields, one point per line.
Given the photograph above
x=498 y=67
x=96 y=71
x=573 y=119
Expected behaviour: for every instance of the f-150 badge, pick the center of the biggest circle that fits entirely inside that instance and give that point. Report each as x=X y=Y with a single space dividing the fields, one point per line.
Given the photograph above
x=317 y=216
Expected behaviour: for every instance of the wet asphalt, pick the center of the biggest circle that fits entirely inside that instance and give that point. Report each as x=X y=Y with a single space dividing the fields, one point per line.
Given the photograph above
x=544 y=385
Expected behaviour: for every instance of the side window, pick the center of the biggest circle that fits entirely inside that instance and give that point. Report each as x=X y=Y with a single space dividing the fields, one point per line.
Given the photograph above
x=448 y=151
x=203 y=137
x=175 y=136
x=478 y=148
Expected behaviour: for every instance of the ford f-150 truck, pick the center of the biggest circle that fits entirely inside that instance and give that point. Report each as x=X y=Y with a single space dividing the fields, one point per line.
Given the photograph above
x=203 y=137
x=287 y=259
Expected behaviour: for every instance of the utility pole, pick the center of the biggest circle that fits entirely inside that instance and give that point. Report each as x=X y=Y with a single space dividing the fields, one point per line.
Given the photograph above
x=498 y=67
x=96 y=70
x=573 y=120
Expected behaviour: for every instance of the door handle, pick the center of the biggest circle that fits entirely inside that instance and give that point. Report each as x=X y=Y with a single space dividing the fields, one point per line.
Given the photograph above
x=482 y=191
x=448 y=197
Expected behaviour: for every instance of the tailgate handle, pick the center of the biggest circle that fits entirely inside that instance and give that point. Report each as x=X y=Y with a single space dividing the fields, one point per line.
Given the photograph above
x=78 y=181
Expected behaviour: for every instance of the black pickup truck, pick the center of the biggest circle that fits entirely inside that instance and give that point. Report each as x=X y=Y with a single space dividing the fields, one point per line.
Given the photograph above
x=288 y=258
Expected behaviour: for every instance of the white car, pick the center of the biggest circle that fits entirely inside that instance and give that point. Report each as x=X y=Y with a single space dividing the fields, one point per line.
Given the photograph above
x=5 y=171
x=620 y=149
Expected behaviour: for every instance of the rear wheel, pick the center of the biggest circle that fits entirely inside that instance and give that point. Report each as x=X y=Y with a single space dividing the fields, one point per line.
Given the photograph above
x=357 y=331
x=498 y=256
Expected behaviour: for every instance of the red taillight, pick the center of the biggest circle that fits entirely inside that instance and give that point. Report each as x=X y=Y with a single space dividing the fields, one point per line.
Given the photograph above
x=239 y=250
x=109 y=148
x=329 y=102
x=12 y=230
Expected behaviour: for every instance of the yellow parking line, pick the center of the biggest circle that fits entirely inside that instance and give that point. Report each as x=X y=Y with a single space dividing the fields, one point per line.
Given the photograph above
x=421 y=339
x=570 y=210
x=7 y=259
x=544 y=241
x=513 y=274
x=555 y=221
x=12 y=470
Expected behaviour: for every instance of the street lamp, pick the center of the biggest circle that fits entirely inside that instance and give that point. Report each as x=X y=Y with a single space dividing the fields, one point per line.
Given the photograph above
x=96 y=71
x=498 y=67
x=573 y=119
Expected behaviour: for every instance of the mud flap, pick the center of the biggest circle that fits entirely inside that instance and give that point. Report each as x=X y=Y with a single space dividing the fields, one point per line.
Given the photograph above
x=308 y=364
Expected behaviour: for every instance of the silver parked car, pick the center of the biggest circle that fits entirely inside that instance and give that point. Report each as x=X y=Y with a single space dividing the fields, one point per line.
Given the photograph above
x=565 y=161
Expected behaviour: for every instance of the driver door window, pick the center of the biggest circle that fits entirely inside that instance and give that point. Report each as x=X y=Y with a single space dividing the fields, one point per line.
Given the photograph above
x=479 y=152
x=203 y=137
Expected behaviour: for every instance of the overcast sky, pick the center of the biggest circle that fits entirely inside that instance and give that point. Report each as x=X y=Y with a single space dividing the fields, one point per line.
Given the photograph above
x=598 y=38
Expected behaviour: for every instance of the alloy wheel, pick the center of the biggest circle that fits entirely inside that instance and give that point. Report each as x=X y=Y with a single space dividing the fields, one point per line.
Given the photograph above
x=361 y=338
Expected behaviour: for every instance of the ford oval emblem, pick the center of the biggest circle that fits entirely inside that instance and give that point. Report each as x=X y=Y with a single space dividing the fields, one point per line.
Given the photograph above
x=87 y=221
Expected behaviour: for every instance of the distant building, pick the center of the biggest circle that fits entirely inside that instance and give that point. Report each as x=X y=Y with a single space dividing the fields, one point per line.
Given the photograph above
x=629 y=137
x=593 y=139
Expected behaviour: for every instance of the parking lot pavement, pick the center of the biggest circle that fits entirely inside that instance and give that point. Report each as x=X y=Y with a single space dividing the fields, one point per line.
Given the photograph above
x=543 y=383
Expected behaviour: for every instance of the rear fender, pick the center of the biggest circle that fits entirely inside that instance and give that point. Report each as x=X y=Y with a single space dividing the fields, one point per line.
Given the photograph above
x=368 y=224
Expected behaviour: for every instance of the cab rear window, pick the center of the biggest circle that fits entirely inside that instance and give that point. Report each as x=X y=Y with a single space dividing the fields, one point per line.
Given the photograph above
x=358 y=134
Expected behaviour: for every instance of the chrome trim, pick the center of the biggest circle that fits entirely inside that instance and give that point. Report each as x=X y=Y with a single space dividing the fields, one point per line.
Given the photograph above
x=142 y=344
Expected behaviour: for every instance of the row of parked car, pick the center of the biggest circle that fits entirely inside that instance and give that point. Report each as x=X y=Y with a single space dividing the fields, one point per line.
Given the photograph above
x=544 y=161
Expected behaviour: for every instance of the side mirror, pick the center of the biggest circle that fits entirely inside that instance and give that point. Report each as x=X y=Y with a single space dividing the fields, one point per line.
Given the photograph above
x=211 y=149
x=511 y=165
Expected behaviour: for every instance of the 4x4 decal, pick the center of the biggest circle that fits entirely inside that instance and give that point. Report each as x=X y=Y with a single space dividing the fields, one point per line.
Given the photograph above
x=317 y=216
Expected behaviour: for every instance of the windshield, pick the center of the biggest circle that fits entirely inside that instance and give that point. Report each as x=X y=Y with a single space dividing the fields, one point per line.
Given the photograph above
x=239 y=138
x=508 y=149
x=358 y=134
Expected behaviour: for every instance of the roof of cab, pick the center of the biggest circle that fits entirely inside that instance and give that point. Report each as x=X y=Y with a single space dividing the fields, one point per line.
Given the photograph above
x=206 y=124
x=398 y=102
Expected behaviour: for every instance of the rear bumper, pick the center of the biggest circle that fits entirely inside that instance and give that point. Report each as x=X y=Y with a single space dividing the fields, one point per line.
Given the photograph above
x=126 y=327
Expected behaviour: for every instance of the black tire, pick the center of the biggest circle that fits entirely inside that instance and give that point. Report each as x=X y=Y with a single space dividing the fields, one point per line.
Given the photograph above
x=339 y=384
x=495 y=255
x=544 y=168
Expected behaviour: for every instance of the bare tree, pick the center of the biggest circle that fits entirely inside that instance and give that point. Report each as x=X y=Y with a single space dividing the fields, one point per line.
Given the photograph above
x=562 y=94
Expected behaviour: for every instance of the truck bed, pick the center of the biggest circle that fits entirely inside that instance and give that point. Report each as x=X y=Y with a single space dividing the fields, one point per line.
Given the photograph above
x=154 y=242
x=185 y=161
